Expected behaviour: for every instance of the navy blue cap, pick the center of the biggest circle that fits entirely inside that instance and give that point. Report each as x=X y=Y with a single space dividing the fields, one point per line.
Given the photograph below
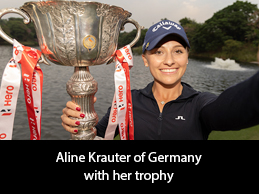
x=160 y=30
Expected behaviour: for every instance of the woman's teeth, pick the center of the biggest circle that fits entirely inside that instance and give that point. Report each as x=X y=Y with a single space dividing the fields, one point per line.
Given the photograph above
x=168 y=70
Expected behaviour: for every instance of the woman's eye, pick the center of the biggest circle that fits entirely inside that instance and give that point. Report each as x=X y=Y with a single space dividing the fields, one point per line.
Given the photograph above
x=179 y=51
x=158 y=52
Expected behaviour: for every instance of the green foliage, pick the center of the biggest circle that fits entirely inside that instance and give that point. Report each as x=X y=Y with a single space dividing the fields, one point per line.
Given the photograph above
x=15 y=28
x=231 y=22
x=164 y=19
x=137 y=50
x=231 y=47
x=5 y=28
x=191 y=27
x=245 y=134
x=253 y=34
x=187 y=22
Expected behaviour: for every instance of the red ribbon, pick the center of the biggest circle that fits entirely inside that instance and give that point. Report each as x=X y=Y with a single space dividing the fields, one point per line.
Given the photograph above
x=129 y=113
x=28 y=62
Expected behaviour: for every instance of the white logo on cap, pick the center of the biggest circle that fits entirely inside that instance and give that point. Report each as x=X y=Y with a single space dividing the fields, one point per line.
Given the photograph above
x=163 y=24
x=167 y=28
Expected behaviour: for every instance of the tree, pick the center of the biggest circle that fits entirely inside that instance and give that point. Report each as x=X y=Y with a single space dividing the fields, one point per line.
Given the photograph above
x=190 y=26
x=253 y=35
x=15 y=28
x=187 y=21
x=231 y=47
x=5 y=29
x=228 y=23
x=164 y=19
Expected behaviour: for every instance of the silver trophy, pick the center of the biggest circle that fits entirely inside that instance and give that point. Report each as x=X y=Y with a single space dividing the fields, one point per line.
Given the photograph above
x=79 y=34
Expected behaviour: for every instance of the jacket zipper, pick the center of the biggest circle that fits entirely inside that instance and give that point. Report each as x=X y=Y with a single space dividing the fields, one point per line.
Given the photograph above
x=160 y=118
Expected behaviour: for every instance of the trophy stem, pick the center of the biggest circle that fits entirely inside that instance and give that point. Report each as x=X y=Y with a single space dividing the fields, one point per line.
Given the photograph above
x=82 y=88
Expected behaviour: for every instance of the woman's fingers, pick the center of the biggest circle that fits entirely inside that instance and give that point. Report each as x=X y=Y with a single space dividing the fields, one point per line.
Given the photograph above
x=71 y=105
x=72 y=110
x=69 y=124
x=69 y=128
x=73 y=113
x=66 y=120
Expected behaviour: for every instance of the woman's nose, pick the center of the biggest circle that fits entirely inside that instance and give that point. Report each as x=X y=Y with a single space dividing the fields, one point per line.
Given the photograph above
x=169 y=59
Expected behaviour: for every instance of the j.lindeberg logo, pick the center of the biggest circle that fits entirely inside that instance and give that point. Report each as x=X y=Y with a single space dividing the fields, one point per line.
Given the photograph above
x=163 y=24
x=180 y=118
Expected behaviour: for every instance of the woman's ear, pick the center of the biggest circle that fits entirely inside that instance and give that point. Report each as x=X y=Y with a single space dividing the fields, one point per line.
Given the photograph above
x=145 y=60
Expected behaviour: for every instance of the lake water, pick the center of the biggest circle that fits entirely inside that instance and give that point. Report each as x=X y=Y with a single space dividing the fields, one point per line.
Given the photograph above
x=198 y=75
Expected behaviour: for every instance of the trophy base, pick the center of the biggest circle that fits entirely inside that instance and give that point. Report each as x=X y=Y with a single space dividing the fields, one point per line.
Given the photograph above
x=98 y=138
x=86 y=135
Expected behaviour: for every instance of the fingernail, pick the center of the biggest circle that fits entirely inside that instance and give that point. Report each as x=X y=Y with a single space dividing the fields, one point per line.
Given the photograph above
x=77 y=122
x=75 y=130
x=78 y=108
x=82 y=115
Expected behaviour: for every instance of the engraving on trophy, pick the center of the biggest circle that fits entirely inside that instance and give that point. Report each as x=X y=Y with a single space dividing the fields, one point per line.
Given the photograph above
x=73 y=7
x=62 y=18
x=111 y=16
x=89 y=42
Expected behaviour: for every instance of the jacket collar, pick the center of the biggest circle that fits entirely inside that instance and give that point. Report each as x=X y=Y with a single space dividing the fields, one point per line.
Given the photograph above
x=188 y=91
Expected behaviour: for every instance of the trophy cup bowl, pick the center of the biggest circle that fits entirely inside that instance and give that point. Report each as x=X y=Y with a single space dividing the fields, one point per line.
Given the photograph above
x=78 y=34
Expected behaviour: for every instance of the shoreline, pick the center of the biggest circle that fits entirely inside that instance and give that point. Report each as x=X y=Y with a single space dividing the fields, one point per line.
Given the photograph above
x=251 y=58
x=138 y=51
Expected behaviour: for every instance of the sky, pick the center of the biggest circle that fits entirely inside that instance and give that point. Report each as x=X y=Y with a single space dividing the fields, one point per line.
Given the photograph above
x=148 y=12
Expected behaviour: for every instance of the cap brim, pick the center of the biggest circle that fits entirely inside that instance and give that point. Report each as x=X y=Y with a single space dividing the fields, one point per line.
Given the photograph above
x=153 y=43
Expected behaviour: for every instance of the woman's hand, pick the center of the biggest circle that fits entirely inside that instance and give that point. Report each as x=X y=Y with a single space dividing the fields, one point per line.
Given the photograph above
x=72 y=110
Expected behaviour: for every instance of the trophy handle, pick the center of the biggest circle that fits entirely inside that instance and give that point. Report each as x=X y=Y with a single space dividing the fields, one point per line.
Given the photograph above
x=139 y=28
x=26 y=20
x=3 y=12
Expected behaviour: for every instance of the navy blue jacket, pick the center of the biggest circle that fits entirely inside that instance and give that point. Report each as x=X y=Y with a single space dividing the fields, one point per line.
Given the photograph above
x=194 y=114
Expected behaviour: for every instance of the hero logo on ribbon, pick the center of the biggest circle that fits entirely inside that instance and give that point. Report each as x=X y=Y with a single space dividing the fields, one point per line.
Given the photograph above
x=8 y=96
x=128 y=53
x=34 y=82
x=8 y=101
x=27 y=89
x=121 y=97
x=114 y=113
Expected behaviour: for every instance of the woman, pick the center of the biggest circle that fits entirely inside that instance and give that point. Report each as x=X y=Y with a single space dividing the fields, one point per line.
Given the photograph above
x=170 y=109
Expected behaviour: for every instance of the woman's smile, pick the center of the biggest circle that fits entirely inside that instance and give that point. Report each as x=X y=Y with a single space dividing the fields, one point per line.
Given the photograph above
x=168 y=71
